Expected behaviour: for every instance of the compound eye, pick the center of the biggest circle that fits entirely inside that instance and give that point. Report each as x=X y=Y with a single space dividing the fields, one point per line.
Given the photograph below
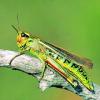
x=24 y=35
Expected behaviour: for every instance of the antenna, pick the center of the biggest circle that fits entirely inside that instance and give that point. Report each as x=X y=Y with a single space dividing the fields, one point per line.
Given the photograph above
x=15 y=28
x=18 y=22
x=18 y=25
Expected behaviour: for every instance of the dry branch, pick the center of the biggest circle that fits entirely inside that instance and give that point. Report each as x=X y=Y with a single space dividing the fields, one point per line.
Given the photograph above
x=35 y=67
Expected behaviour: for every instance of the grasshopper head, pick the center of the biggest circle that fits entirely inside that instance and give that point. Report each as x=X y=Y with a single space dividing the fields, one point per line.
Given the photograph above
x=22 y=38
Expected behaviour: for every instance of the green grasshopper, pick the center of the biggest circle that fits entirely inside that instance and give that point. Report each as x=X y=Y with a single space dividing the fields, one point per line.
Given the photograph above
x=68 y=65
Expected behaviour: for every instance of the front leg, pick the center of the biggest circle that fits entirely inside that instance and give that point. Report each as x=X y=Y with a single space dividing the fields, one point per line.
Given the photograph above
x=19 y=54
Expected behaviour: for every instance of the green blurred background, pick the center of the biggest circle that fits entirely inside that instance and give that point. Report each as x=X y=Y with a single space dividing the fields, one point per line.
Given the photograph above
x=71 y=24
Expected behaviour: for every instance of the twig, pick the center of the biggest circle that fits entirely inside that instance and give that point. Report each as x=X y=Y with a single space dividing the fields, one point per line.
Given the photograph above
x=35 y=67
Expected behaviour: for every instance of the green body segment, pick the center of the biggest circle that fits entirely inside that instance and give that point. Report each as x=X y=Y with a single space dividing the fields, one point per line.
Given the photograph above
x=66 y=66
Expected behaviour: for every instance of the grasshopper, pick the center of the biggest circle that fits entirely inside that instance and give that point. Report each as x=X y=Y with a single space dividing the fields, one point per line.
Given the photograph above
x=68 y=65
